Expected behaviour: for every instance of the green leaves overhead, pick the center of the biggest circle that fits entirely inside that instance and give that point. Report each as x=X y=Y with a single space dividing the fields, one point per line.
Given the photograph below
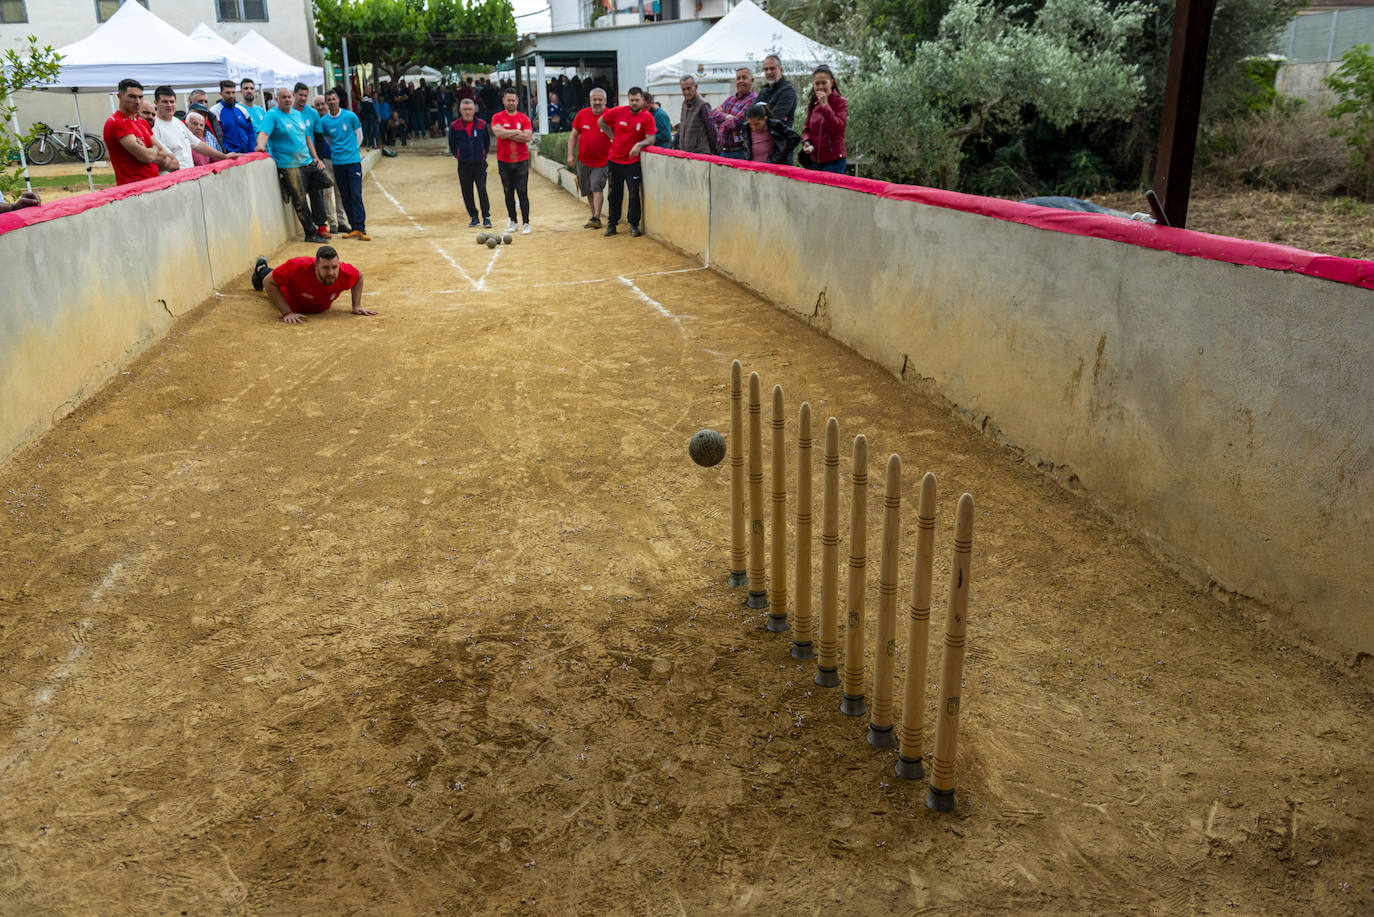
x=400 y=34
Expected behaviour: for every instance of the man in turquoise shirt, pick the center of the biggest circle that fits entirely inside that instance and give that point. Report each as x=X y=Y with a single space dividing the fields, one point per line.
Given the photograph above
x=345 y=133
x=249 y=91
x=283 y=134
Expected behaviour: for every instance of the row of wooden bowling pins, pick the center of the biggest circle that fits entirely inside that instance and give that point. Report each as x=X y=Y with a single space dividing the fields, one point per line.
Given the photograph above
x=911 y=735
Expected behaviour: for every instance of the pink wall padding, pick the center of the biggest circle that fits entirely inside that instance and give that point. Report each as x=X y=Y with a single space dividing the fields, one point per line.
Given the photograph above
x=79 y=203
x=1100 y=226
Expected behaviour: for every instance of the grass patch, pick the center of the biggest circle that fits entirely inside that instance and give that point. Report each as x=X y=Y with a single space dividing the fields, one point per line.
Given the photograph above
x=70 y=181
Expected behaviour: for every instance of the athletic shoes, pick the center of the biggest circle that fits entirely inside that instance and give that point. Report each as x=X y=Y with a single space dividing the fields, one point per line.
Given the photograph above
x=486 y=223
x=316 y=237
x=610 y=229
x=324 y=233
x=474 y=222
x=260 y=270
x=511 y=226
x=525 y=229
x=635 y=231
x=593 y=223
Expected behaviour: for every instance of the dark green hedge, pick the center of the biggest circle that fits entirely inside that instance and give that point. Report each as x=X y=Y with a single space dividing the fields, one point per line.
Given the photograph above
x=555 y=147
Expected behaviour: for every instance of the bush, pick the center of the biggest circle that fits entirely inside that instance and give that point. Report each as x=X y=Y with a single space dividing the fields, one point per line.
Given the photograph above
x=554 y=146
x=1353 y=84
x=1280 y=148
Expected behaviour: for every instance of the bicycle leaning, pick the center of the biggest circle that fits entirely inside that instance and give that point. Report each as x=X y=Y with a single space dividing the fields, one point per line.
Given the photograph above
x=49 y=143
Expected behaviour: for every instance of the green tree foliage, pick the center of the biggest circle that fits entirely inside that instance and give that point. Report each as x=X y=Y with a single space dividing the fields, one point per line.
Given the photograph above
x=401 y=34
x=20 y=69
x=911 y=118
x=1353 y=84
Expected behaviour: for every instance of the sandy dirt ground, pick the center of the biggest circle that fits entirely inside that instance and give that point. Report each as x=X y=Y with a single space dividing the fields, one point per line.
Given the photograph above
x=426 y=613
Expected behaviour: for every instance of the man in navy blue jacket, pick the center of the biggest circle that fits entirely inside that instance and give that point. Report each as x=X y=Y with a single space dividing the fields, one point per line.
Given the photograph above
x=469 y=140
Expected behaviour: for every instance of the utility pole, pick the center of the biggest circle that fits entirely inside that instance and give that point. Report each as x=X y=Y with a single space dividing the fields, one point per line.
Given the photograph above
x=1182 y=106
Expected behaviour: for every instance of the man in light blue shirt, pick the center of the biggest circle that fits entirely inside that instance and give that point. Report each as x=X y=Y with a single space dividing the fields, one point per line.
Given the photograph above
x=345 y=134
x=283 y=134
x=256 y=112
x=319 y=182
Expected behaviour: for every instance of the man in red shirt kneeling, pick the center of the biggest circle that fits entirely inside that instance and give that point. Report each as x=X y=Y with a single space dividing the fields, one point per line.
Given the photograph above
x=303 y=286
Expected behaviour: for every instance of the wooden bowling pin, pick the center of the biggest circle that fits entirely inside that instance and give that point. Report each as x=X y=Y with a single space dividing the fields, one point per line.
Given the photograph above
x=758 y=595
x=941 y=795
x=802 y=647
x=777 y=594
x=827 y=657
x=739 y=576
x=911 y=747
x=880 y=731
x=853 y=703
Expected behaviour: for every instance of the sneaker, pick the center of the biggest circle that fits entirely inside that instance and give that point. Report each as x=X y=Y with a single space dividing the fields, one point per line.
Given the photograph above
x=486 y=223
x=595 y=223
x=315 y=237
x=590 y=224
x=260 y=270
x=344 y=228
x=525 y=229
x=635 y=231
x=335 y=230
x=610 y=229
x=323 y=233
x=474 y=222
x=511 y=226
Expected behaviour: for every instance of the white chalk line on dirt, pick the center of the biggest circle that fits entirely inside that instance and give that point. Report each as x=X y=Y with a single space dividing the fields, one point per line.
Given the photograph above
x=456 y=266
x=418 y=227
x=481 y=283
x=650 y=300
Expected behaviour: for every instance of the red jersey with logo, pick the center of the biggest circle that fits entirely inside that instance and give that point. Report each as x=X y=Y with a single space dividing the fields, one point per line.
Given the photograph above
x=126 y=167
x=509 y=150
x=593 y=146
x=630 y=128
x=302 y=288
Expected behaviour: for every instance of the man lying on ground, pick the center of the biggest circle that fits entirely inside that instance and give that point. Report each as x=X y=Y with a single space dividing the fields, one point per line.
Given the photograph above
x=305 y=286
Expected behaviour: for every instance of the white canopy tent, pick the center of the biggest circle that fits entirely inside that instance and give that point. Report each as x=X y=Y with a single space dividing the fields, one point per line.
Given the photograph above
x=134 y=43
x=249 y=67
x=288 y=70
x=742 y=38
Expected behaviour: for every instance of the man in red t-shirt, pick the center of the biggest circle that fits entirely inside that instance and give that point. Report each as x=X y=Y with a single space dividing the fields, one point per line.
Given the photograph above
x=134 y=154
x=590 y=149
x=303 y=286
x=630 y=128
x=513 y=133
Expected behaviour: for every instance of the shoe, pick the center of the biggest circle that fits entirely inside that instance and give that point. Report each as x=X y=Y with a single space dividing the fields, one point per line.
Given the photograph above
x=610 y=229
x=486 y=223
x=525 y=229
x=474 y=222
x=511 y=226
x=334 y=230
x=344 y=228
x=323 y=233
x=596 y=222
x=360 y=235
x=635 y=231
x=260 y=270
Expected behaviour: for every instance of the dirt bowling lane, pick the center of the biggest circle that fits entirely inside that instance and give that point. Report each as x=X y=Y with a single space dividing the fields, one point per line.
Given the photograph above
x=425 y=613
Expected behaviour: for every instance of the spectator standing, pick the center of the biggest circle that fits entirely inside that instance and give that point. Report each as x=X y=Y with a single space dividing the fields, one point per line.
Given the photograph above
x=469 y=139
x=770 y=140
x=248 y=92
x=234 y=120
x=133 y=152
x=590 y=149
x=199 y=101
x=556 y=125
x=307 y=286
x=695 y=131
x=630 y=129
x=827 y=112
x=778 y=92
x=283 y=134
x=317 y=182
x=367 y=114
x=344 y=131
x=730 y=118
x=663 y=125
x=513 y=133
x=195 y=123
x=384 y=120
x=177 y=137
x=335 y=214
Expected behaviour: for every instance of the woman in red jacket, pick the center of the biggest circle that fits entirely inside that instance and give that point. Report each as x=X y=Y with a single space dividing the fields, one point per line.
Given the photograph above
x=826 y=114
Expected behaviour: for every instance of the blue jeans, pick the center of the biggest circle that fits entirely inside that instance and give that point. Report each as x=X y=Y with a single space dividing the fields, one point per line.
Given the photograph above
x=741 y=153
x=837 y=166
x=348 y=179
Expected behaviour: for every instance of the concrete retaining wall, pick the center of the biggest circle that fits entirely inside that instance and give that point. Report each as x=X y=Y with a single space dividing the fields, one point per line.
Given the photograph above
x=1227 y=411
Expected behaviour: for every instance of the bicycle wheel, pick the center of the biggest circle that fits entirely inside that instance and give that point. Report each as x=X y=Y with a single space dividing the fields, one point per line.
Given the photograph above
x=95 y=148
x=41 y=150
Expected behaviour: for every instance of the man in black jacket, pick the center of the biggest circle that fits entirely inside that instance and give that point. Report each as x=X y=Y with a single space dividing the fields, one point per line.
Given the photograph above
x=779 y=95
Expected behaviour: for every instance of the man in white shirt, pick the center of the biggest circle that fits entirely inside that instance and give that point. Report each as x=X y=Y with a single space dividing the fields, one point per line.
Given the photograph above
x=177 y=137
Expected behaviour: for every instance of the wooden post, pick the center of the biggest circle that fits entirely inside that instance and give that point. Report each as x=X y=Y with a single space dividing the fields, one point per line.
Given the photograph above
x=777 y=595
x=738 y=509
x=827 y=659
x=941 y=795
x=853 y=703
x=911 y=748
x=880 y=732
x=758 y=596
x=801 y=636
x=1182 y=106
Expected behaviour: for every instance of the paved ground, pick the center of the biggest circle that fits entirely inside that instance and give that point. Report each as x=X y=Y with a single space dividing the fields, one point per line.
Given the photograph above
x=425 y=613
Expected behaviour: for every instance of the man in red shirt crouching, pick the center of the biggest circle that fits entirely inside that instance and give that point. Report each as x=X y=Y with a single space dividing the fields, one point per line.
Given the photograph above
x=303 y=286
